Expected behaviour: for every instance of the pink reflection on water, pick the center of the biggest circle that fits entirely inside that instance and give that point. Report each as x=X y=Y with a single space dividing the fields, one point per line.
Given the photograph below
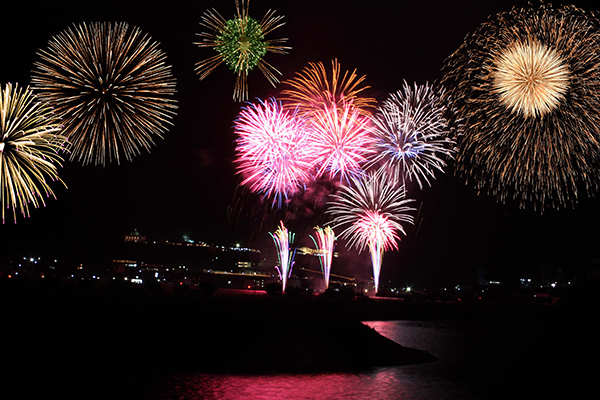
x=382 y=383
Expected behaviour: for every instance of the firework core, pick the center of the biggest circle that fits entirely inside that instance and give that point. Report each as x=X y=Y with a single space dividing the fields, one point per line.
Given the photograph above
x=531 y=79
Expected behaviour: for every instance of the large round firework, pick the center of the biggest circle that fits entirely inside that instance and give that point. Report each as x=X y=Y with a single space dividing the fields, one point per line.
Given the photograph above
x=240 y=44
x=340 y=141
x=412 y=133
x=371 y=212
x=526 y=85
x=313 y=90
x=110 y=86
x=272 y=154
x=29 y=143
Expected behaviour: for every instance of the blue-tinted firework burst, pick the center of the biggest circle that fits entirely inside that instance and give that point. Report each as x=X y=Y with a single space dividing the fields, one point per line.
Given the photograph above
x=412 y=133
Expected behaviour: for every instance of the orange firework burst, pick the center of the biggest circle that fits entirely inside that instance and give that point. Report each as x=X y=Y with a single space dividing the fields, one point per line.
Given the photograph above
x=313 y=90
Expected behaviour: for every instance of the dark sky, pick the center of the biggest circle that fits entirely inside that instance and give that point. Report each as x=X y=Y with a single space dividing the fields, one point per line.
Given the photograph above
x=187 y=183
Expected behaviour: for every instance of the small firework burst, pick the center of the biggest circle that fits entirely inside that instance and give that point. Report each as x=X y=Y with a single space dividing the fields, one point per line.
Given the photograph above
x=273 y=154
x=325 y=243
x=412 y=133
x=340 y=141
x=524 y=86
x=372 y=211
x=240 y=44
x=111 y=88
x=283 y=238
x=313 y=90
x=29 y=143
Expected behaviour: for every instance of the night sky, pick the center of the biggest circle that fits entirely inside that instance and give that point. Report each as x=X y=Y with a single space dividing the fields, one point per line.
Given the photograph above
x=187 y=184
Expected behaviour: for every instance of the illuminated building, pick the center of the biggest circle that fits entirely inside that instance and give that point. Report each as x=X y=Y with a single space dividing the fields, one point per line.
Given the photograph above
x=135 y=237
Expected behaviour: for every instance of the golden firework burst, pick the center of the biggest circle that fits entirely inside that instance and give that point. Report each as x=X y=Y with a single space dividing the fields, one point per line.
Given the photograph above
x=530 y=78
x=525 y=86
x=111 y=87
x=30 y=140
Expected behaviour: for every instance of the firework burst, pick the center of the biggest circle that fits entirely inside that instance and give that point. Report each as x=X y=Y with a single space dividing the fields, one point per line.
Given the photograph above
x=340 y=141
x=313 y=90
x=412 y=133
x=240 y=44
x=272 y=153
x=525 y=86
x=29 y=142
x=111 y=88
x=530 y=78
x=325 y=242
x=283 y=238
x=371 y=211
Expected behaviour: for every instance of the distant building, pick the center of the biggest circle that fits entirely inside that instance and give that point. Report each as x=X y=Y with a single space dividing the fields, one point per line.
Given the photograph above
x=119 y=266
x=135 y=237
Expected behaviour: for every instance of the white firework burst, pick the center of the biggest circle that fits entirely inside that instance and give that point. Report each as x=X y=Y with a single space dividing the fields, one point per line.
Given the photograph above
x=412 y=133
x=372 y=212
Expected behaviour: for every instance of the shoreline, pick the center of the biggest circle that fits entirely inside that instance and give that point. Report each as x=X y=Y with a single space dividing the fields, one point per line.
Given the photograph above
x=227 y=334
x=75 y=342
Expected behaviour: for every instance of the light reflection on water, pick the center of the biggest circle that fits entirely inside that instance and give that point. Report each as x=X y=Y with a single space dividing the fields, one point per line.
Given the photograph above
x=381 y=383
x=435 y=380
x=477 y=359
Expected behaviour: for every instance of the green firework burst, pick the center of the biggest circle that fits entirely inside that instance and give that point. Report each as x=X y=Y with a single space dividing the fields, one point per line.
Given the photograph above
x=240 y=43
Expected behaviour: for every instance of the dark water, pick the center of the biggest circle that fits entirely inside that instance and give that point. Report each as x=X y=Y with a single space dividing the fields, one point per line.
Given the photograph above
x=477 y=359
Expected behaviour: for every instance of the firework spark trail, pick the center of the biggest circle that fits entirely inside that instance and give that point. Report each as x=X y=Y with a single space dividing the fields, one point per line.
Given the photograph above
x=525 y=85
x=412 y=133
x=283 y=238
x=29 y=143
x=371 y=212
x=340 y=139
x=312 y=90
x=272 y=151
x=241 y=45
x=111 y=88
x=324 y=244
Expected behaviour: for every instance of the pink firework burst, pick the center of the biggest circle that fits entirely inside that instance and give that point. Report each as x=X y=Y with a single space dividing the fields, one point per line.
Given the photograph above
x=340 y=139
x=372 y=211
x=272 y=154
x=379 y=232
x=375 y=227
